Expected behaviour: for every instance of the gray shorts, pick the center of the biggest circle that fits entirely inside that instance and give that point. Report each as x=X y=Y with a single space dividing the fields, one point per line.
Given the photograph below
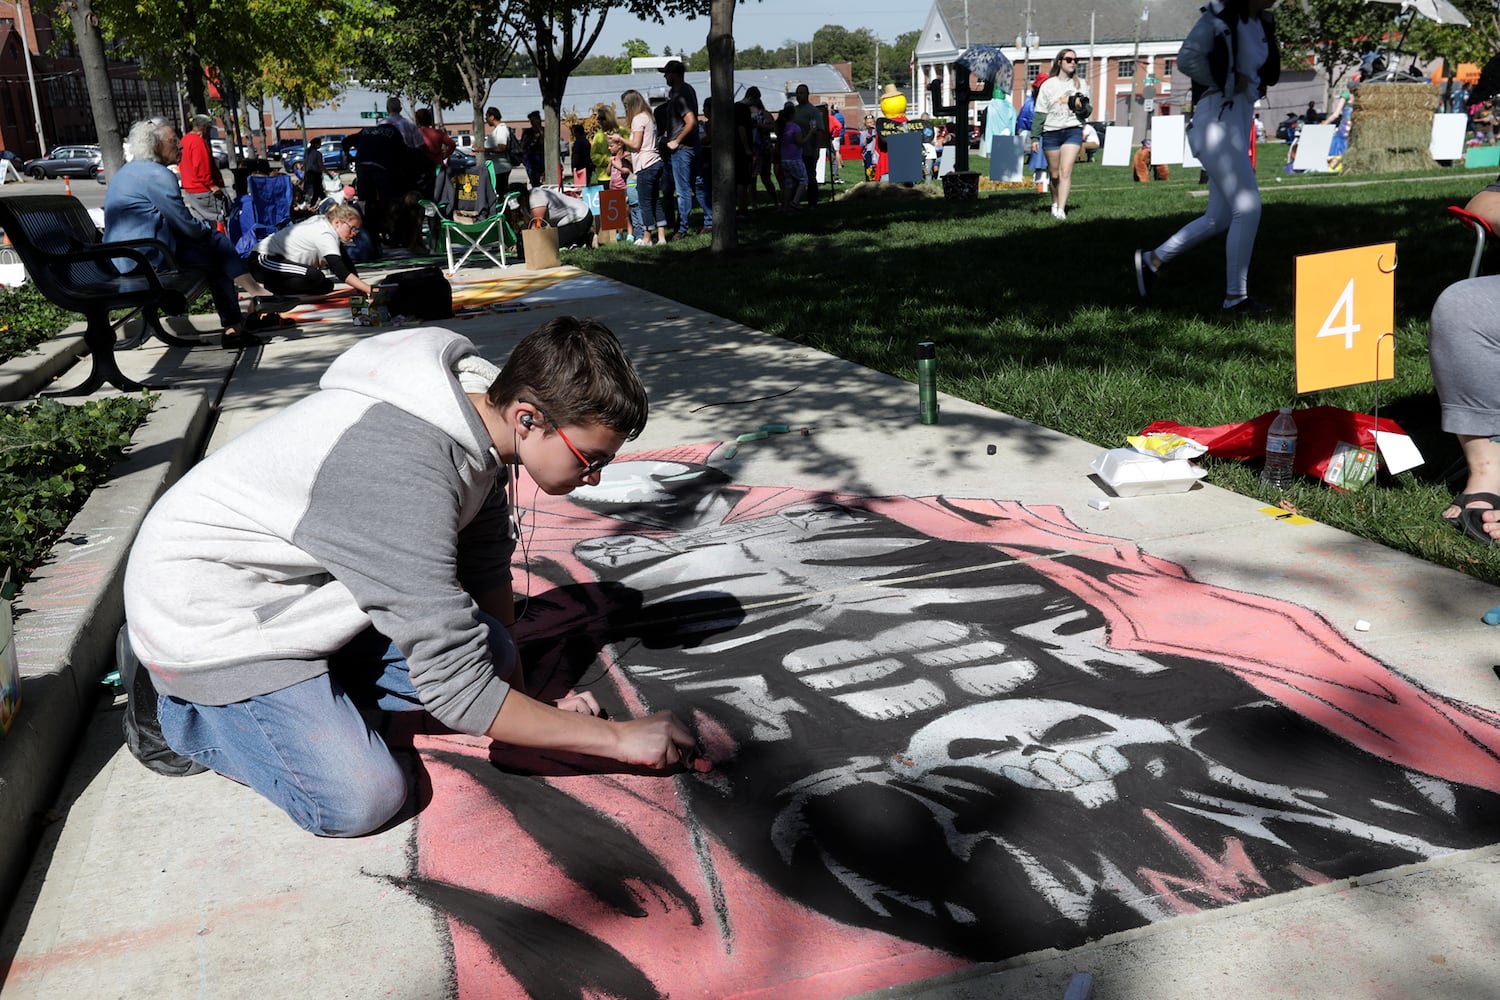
x=206 y=206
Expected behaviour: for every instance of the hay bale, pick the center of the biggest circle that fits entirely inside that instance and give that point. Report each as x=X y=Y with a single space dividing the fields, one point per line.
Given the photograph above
x=1391 y=128
x=866 y=190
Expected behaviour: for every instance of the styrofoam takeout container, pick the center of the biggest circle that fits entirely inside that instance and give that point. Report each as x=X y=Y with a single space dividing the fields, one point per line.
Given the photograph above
x=1131 y=474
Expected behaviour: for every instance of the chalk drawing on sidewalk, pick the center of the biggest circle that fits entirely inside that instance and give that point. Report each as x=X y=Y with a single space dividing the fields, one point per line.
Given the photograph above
x=944 y=731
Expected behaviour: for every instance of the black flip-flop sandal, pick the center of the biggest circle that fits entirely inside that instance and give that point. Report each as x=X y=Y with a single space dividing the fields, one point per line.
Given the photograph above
x=1460 y=501
x=1471 y=520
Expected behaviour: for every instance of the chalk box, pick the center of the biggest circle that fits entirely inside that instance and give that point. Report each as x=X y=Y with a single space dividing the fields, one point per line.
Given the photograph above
x=10 y=672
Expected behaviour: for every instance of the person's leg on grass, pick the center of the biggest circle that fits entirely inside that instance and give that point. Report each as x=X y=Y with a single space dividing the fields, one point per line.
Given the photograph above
x=1207 y=138
x=1067 y=155
x=1463 y=345
x=682 y=180
x=1053 y=166
x=1243 y=196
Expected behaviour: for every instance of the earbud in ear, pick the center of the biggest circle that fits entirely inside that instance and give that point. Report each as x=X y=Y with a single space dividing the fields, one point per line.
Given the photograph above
x=526 y=420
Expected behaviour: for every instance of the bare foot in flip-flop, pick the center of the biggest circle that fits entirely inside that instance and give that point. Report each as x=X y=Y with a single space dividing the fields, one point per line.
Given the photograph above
x=1482 y=456
x=1480 y=517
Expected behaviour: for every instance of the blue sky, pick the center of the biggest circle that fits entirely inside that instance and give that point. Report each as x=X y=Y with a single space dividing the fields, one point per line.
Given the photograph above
x=768 y=23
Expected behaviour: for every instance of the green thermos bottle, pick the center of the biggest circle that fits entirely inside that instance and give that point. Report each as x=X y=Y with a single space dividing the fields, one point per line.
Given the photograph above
x=927 y=401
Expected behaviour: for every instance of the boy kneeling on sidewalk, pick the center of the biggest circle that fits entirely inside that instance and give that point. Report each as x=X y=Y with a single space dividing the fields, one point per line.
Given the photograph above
x=353 y=551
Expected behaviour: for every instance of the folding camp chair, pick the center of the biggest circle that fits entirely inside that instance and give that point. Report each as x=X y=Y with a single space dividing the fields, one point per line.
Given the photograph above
x=472 y=216
x=261 y=211
x=1482 y=233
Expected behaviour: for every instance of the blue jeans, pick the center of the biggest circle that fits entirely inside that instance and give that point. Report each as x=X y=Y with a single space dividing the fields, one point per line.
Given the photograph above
x=687 y=178
x=218 y=258
x=646 y=184
x=306 y=747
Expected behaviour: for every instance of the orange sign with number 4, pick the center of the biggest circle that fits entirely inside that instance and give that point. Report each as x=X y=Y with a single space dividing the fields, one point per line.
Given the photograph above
x=1346 y=317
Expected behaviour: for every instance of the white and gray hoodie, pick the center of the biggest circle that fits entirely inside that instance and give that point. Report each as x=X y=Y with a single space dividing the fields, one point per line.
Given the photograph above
x=378 y=500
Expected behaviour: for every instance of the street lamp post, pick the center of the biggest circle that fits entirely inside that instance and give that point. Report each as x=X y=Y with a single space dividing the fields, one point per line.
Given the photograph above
x=1027 y=40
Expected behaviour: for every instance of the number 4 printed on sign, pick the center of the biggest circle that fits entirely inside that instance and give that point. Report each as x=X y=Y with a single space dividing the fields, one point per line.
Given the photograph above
x=1346 y=310
x=1348 y=328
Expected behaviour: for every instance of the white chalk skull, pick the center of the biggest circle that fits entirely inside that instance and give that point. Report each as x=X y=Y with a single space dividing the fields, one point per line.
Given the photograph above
x=1039 y=743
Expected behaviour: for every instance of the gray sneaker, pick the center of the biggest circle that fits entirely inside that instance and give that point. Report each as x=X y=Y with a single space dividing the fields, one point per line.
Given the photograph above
x=1144 y=276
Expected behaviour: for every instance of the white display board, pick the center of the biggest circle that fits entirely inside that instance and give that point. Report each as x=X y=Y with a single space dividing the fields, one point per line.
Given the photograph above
x=1312 y=148
x=1006 y=154
x=945 y=160
x=1119 y=140
x=1448 y=136
x=1167 y=133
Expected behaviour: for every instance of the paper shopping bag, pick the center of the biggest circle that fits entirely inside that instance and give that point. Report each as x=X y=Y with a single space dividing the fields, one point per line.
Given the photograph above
x=539 y=247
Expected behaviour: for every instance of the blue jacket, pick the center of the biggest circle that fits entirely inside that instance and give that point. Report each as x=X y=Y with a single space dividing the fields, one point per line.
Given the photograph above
x=144 y=201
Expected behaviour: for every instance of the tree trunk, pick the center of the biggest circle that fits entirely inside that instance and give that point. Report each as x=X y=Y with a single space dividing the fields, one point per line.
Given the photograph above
x=721 y=122
x=96 y=78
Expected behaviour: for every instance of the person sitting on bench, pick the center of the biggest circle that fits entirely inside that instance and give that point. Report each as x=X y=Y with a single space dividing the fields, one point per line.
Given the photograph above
x=291 y=261
x=144 y=201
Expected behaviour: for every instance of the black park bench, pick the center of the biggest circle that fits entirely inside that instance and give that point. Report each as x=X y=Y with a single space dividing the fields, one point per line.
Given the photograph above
x=63 y=253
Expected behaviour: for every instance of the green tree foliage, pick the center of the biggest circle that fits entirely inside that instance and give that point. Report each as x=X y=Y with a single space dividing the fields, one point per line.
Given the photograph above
x=1476 y=43
x=443 y=52
x=1333 y=33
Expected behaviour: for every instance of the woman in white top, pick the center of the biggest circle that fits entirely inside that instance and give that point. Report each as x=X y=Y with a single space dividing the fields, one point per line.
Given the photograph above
x=645 y=163
x=1245 y=63
x=1061 y=128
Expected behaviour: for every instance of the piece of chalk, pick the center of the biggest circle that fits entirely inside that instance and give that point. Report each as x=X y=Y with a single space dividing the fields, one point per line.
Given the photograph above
x=806 y=431
x=729 y=451
x=776 y=428
x=1099 y=504
x=1492 y=616
x=990 y=450
x=1080 y=987
x=1361 y=626
x=753 y=436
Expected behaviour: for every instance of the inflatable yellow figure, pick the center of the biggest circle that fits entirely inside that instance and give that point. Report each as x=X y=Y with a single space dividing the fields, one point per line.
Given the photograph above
x=892 y=106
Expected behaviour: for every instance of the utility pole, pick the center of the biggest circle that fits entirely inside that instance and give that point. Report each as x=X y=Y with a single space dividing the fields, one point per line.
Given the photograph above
x=1135 y=67
x=36 y=108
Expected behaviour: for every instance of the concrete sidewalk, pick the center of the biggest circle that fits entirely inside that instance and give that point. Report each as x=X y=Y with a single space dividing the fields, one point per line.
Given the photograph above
x=153 y=887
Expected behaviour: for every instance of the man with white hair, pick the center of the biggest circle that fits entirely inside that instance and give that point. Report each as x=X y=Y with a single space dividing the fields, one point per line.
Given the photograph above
x=410 y=133
x=144 y=201
x=202 y=184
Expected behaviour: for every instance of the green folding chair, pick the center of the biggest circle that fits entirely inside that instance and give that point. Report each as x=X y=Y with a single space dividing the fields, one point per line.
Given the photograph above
x=487 y=234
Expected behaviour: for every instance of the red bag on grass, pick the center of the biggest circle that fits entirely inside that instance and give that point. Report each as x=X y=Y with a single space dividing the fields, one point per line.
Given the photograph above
x=1319 y=431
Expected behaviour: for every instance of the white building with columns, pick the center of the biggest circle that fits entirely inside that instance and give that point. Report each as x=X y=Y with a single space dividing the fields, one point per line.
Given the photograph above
x=1109 y=36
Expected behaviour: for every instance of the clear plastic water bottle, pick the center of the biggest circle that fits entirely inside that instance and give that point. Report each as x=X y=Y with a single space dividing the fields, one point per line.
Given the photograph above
x=1281 y=451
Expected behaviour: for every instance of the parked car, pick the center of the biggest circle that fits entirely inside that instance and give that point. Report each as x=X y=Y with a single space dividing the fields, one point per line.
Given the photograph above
x=220 y=153
x=67 y=161
x=332 y=148
x=284 y=149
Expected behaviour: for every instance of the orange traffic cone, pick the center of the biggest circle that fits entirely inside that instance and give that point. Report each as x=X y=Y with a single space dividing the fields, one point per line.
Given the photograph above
x=68 y=186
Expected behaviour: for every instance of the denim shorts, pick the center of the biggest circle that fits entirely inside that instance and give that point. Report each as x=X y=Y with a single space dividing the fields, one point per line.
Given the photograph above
x=1058 y=138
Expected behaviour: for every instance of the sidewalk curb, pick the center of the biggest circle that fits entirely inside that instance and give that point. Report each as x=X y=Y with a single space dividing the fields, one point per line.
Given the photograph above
x=23 y=377
x=67 y=617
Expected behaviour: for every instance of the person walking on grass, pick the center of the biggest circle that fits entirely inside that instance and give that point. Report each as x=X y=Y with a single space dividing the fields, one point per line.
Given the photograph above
x=1232 y=57
x=1056 y=119
x=791 y=140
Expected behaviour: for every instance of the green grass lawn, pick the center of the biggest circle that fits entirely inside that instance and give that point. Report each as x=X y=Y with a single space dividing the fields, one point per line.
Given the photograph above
x=1041 y=320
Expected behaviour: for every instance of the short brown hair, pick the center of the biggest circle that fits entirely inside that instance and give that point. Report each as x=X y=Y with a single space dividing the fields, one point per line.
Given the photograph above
x=577 y=372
